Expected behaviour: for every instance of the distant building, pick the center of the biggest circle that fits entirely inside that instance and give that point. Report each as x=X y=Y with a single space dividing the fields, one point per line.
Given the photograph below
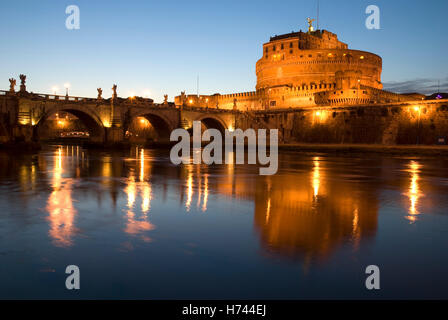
x=301 y=69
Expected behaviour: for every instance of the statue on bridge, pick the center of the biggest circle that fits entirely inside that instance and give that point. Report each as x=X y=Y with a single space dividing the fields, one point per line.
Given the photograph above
x=22 y=83
x=183 y=98
x=100 y=93
x=114 y=91
x=165 y=99
x=12 y=84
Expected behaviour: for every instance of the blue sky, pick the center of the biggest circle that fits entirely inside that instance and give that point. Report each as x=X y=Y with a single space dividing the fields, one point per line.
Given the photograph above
x=162 y=46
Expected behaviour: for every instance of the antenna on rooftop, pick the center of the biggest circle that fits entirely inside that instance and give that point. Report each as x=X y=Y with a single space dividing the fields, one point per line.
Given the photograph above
x=317 y=14
x=197 y=86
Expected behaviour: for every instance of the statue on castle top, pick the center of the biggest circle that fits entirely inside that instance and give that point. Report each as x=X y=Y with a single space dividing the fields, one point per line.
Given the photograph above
x=100 y=93
x=12 y=84
x=310 y=24
x=114 y=91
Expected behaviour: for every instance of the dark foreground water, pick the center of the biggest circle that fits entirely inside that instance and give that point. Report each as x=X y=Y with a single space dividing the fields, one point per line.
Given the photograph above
x=139 y=227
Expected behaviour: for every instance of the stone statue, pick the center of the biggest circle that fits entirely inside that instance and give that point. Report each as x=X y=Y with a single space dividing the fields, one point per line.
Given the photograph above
x=22 y=83
x=234 y=104
x=114 y=90
x=100 y=93
x=12 y=84
x=165 y=99
x=183 y=98
x=310 y=24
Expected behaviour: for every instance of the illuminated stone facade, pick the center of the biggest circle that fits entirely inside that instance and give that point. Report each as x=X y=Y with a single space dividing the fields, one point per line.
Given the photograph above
x=301 y=69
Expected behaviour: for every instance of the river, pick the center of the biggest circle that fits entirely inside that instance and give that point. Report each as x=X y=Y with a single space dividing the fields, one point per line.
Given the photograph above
x=138 y=226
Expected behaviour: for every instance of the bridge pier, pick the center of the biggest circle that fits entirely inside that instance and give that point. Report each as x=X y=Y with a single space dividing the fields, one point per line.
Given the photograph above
x=114 y=135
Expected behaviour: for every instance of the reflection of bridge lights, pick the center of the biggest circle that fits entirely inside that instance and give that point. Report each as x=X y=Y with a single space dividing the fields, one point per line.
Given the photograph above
x=316 y=176
x=189 y=191
x=416 y=108
x=414 y=191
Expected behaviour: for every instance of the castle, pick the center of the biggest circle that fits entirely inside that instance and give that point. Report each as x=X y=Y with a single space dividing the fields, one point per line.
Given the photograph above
x=307 y=69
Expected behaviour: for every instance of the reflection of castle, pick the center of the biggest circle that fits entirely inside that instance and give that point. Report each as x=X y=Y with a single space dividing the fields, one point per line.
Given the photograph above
x=315 y=217
x=301 y=69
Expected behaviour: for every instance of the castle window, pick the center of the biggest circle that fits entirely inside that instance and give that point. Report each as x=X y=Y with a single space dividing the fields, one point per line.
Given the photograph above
x=290 y=44
x=266 y=56
x=273 y=103
x=310 y=55
x=290 y=51
x=266 y=49
x=273 y=48
x=282 y=47
x=361 y=57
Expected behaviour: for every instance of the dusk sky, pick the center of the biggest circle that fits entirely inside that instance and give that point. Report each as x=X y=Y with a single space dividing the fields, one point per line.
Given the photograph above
x=162 y=46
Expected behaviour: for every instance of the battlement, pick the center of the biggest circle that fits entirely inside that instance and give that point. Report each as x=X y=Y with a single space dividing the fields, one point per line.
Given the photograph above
x=319 y=39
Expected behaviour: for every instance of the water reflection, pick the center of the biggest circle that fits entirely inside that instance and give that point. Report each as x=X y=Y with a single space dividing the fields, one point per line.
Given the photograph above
x=414 y=192
x=307 y=211
x=310 y=220
x=139 y=225
x=60 y=204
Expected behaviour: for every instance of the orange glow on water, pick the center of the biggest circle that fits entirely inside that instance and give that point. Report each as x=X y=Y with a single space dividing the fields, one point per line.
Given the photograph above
x=60 y=206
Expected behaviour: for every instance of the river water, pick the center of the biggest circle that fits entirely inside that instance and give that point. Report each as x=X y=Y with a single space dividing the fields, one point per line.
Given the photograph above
x=138 y=226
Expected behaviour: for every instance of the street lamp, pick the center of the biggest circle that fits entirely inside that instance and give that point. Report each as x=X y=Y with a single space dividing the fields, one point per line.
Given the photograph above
x=55 y=89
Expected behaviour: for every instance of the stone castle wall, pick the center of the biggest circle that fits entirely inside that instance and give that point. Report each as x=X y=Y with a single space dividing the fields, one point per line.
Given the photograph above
x=409 y=123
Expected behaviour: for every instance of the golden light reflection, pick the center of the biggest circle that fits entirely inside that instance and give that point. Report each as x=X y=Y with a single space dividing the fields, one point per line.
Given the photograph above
x=189 y=191
x=316 y=176
x=205 y=199
x=414 y=192
x=60 y=206
x=137 y=226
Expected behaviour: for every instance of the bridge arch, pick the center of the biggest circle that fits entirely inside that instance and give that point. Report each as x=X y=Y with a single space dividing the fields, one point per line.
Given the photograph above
x=213 y=122
x=88 y=118
x=160 y=123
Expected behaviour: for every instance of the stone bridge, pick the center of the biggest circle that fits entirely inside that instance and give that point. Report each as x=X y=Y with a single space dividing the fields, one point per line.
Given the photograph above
x=24 y=116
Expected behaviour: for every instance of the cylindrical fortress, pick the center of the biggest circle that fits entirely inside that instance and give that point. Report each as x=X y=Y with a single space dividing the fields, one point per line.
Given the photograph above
x=315 y=58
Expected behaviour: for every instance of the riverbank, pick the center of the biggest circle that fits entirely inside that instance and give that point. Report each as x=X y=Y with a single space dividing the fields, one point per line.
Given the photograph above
x=407 y=150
